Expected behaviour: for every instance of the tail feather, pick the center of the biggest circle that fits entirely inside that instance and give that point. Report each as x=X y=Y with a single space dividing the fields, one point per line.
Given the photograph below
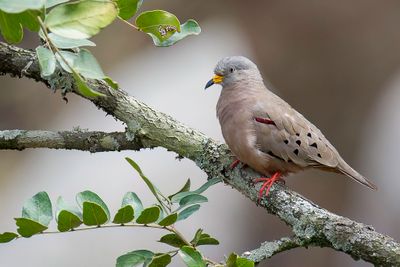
x=350 y=172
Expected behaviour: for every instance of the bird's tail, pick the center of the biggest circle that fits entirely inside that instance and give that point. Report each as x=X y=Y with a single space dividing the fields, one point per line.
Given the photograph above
x=345 y=169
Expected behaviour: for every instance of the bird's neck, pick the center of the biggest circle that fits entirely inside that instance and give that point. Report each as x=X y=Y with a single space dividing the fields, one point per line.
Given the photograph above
x=243 y=89
x=234 y=97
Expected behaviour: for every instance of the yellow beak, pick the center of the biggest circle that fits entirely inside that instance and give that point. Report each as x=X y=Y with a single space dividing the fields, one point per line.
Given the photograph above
x=215 y=80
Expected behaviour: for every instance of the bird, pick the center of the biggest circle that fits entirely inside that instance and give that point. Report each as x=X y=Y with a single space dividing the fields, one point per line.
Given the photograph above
x=265 y=132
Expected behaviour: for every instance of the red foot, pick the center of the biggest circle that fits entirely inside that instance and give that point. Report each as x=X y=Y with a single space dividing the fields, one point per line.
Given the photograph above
x=268 y=182
x=234 y=164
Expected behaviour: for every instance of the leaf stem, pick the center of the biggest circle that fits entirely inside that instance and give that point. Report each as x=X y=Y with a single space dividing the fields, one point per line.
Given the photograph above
x=130 y=24
x=55 y=48
x=168 y=202
x=181 y=236
x=154 y=226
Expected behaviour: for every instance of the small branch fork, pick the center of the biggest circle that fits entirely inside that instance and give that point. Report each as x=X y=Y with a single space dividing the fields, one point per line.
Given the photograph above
x=146 y=127
x=270 y=248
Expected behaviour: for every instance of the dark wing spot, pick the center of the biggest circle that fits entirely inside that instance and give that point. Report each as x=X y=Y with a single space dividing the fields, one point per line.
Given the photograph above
x=314 y=145
x=296 y=151
x=297 y=134
x=286 y=141
x=319 y=155
x=309 y=135
x=298 y=142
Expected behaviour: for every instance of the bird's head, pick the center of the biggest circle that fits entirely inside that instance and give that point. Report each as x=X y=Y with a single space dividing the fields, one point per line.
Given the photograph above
x=233 y=69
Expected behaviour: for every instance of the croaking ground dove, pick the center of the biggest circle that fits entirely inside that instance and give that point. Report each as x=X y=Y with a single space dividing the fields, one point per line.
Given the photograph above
x=265 y=132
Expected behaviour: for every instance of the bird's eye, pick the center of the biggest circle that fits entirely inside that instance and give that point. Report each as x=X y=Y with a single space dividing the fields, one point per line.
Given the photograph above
x=231 y=70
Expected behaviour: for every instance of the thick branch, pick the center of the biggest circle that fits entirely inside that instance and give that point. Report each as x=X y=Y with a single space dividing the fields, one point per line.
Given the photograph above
x=77 y=139
x=311 y=224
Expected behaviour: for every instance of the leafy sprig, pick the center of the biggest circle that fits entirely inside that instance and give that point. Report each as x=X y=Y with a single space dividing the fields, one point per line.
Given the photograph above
x=65 y=27
x=92 y=212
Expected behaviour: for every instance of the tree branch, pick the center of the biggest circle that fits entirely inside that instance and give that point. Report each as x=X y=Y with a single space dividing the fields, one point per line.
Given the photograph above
x=77 y=139
x=311 y=224
x=270 y=248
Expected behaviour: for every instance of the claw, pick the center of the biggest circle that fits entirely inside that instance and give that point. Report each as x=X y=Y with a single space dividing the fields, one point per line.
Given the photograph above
x=268 y=182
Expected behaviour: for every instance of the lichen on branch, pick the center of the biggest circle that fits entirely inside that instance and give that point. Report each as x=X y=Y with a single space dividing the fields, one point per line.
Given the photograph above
x=311 y=224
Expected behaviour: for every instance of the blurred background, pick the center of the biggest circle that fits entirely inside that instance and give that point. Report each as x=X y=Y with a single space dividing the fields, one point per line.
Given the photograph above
x=337 y=62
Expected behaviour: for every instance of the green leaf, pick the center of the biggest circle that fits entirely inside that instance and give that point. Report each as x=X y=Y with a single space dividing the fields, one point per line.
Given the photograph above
x=7 y=237
x=66 y=60
x=185 y=188
x=205 y=186
x=64 y=42
x=160 y=260
x=191 y=257
x=172 y=240
x=201 y=238
x=10 y=27
x=17 y=6
x=124 y=215
x=82 y=62
x=68 y=217
x=128 y=8
x=162 y=214
x=207 y=240
x=149 y=215
x=190 y=27
x=149 y=184
x=38 y=208
x=231 y=261
x=95 y=211
x=84 y=89
x=113 y=84
x=29 y=19
x=94 y=214
x=132 y=199
x=236 y=261
x=86 y=65
x=243 y=262
x=67 y=221
x=177 y=198
x=170 y=219
x=192 y=199
x=51 y=3
x=47 y=61
x=196 y=237
x=187 y=212
x=159 y=24
x=11 y=24
x=134 y=258
x=81 y=20
x=28 y=227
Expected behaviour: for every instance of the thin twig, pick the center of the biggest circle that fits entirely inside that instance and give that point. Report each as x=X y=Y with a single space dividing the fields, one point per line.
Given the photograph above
x=130 y=24
x=270 y=248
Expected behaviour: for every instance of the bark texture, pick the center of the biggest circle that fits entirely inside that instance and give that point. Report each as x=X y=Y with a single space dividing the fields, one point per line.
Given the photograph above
x=77 y=139
x=311 y=224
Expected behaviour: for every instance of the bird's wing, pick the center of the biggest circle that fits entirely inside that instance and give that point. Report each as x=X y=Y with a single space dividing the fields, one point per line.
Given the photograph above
x=285 y=134
x=291 y=137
